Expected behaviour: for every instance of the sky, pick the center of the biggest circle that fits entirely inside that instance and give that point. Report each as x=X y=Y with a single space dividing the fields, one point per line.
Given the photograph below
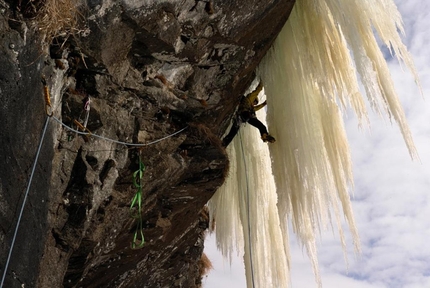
x=391 y=200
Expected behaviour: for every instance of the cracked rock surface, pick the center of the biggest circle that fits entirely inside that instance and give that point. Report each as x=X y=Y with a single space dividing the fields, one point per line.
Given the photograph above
x=150 y=68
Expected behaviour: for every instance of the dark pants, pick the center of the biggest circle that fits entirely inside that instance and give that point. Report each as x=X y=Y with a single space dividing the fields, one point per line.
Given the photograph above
x=236 y=125
x=257 y=124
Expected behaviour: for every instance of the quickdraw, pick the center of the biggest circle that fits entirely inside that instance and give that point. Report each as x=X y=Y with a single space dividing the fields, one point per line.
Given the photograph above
x=82 y=127
x=138 y=238
x=87 y=109
x=48 y=107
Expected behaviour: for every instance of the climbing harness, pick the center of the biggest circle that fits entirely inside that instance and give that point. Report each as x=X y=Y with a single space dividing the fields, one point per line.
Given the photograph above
x=247 y=211
x=138 y=239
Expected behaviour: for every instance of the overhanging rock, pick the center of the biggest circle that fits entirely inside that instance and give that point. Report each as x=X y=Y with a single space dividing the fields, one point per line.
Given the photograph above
x=150 y=69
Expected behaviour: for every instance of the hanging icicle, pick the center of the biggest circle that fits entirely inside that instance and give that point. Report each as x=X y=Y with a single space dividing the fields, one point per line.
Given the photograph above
x=246 y=213
x=311 y=75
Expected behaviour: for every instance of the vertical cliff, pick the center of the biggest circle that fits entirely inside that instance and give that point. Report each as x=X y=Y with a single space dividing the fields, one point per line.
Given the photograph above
x=150 y=68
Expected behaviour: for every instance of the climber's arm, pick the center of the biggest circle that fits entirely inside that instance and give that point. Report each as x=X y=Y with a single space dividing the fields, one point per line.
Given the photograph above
x=253 y=95
x=259 y=106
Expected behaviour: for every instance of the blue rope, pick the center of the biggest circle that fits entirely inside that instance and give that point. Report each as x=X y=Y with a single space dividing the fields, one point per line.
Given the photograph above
x=247 y=211
x=34 y=167
x=116 y=141
x=23 y=202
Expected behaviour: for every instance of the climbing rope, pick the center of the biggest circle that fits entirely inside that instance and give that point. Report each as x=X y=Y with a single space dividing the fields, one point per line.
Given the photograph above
x=138 y=239
x=247 y=211
x=23 y=202
x=84 y=128
x=116 y=141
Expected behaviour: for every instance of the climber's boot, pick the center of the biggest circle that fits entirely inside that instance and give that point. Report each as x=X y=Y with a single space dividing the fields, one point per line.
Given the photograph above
x=267 y=138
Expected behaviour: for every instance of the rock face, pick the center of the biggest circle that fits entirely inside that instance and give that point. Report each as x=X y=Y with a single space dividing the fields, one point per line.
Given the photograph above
x=150 y=68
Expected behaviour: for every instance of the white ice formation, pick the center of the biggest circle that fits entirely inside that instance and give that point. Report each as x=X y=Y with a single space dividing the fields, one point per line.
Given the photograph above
x=326 y=50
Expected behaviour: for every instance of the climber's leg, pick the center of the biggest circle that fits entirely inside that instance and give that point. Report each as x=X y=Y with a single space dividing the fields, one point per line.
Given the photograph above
x=263 y=130
x=233 y=131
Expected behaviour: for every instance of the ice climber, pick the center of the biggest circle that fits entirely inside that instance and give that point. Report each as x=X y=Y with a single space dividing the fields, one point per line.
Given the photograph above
x=246 y=113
